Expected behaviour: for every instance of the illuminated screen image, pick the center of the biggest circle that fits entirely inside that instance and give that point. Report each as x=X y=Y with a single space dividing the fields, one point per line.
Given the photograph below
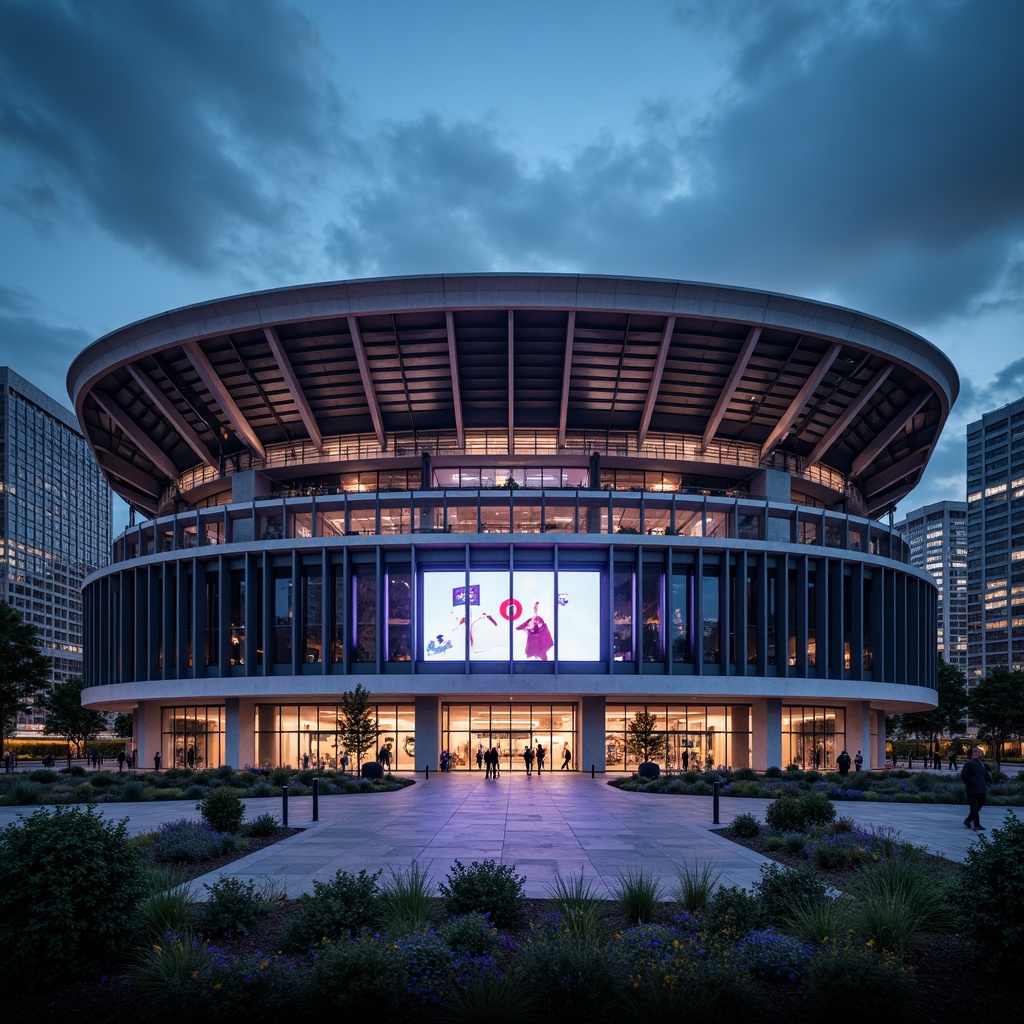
x=521 y=616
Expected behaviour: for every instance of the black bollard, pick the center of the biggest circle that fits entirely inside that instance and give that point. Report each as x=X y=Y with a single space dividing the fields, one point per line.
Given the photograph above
x=284 y=806
x=426 y=771
x=316 y=799
x=714 y=800
x=592 y=767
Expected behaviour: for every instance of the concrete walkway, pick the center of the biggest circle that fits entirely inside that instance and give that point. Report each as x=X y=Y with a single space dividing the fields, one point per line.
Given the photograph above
x=560 y=823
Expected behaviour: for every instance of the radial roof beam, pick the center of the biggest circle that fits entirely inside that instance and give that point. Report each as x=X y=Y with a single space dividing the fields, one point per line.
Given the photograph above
x=140 y=438
x=168 y=409
x=852 y=412
x=294 y=387
x=511 y=384
x=885 y=437
x=137 y=478
x=368 y=388
x=735 y=376
x=652 y=394
x=563 y=410
x=803 y=396
x=202 y=365
x=896 y=472
x=453 y=366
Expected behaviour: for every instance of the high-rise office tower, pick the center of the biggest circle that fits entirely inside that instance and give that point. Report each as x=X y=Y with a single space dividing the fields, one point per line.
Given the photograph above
x=55 y=521
x=995 y=541
x=937 y=535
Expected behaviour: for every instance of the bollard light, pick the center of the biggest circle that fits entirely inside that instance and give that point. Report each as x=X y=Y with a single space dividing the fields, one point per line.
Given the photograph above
x=316 y=799
x=284 y=806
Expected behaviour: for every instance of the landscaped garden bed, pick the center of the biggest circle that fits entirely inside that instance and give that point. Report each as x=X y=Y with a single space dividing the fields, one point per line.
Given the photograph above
x=872 y=924
x=79 y=786
x=889 y=786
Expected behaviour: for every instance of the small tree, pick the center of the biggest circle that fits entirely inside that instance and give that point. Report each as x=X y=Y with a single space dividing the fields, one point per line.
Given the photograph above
x=24 y=671
x=644 y=740
x=124 y=725
x=66 y=717
x=997 y=706
x=359 y=729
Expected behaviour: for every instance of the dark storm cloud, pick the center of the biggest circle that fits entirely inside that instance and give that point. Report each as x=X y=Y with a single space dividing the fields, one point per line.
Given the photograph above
x=868 y=153
x=176 y=124
x=25 y=333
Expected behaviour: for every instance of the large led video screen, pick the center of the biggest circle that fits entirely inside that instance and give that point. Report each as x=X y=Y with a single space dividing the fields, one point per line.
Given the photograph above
x=502 y=616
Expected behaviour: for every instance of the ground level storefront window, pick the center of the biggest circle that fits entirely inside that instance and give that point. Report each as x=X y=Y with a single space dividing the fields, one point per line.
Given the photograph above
x=312 y=736
x=682 y=736
x=469 y=729
x=812 y=737
x=192 y=737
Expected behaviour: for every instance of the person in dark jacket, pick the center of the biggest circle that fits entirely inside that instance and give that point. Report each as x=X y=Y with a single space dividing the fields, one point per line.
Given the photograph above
x=977 y=778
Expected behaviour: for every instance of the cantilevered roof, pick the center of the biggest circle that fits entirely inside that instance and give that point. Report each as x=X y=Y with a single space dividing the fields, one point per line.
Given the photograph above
x=454 y=353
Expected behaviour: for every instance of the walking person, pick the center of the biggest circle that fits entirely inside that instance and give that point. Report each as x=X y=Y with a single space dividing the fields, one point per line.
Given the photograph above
x=528 y=756
x=977 y=778
x=566 y=758
x=156 y=761
x=495 y=761
x=858 y=761
x=479 y=756
x=541 y=754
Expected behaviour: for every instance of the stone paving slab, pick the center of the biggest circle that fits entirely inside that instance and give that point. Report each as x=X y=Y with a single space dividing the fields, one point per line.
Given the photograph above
x=572 y=824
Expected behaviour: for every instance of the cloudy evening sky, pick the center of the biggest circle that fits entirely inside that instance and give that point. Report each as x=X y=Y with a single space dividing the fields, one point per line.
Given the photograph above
x=870 y=153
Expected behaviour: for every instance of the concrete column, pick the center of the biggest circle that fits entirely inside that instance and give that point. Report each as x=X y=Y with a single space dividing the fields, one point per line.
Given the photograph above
x=858 y=731
x=246 y=732
x=428 y=731
x=767 y=728
x=232 y=752
x=147 y=735
x=591 y=740
x=878 y=758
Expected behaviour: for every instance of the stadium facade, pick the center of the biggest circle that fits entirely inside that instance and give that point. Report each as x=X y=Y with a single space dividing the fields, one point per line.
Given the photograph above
x=517 y=509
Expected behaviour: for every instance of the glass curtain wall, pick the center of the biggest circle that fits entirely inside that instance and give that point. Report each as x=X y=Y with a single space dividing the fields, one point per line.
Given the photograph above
x=469 y=729
x=685 y=737
x=312 y=736
x=192 y=737
x=812 y=737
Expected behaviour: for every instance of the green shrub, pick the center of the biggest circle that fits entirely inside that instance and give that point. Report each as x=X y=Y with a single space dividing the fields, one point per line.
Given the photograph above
x=69 y=885
x=261 y=827
x=989 y=896
x=84 y=793
x=780 y=889
x=23 y=793
x=195 y=792
x=232 y=906
x=336 y=909
x=280 y=777
x=796 y=812
x=472 y=934
x=731 y=911
x=745 y=775
x=746 y=826
x=366 y=977
x=44 y=775
x=134 y=791
x=571 y=977
x=222 y=810
x=638 y=894
x=485 y=887
x=860 y=979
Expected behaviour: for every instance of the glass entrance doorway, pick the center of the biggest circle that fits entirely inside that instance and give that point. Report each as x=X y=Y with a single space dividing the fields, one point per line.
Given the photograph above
x=467 y=730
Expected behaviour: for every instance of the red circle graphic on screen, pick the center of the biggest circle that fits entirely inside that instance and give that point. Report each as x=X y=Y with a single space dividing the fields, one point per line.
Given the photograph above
x=510 y=609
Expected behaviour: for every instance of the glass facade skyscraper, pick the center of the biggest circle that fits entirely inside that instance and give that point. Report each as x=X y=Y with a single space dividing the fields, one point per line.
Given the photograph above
x=55 y=521
x=937 y=535
x=995 y=540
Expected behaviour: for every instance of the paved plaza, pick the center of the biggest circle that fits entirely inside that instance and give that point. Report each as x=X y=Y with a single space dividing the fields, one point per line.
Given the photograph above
x=559 y=823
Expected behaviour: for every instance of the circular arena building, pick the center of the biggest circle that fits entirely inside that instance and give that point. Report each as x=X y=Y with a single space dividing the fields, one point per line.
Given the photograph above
x=518 y=509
